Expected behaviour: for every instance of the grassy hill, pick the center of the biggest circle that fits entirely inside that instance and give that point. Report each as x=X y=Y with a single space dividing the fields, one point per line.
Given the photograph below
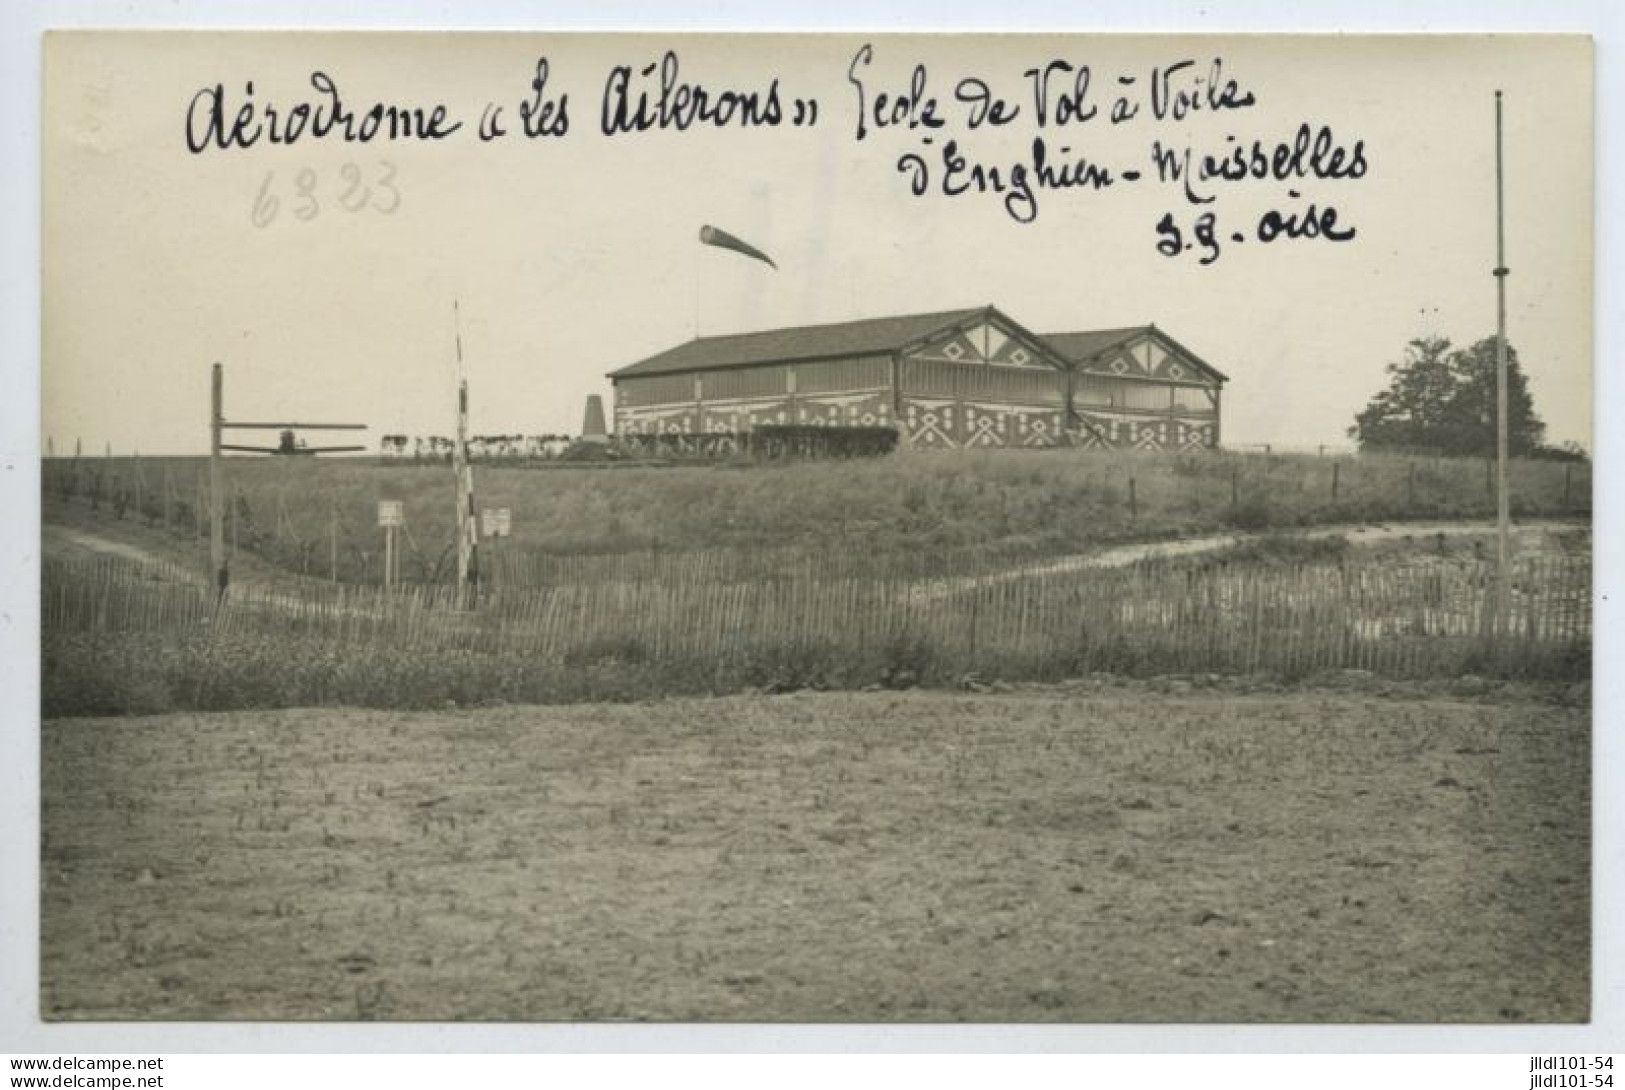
x=908 y=505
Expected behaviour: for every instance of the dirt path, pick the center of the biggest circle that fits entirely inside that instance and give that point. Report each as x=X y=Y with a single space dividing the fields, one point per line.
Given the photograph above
x=70 y=530
x=60 y=539
x=249 y=571
x=1121 y=556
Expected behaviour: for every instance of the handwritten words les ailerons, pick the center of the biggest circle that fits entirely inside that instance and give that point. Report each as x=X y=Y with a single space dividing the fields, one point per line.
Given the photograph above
x=936 y=133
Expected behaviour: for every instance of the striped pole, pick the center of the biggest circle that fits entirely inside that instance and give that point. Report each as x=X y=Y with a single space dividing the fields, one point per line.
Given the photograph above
x=468 y=568
x=468 y=549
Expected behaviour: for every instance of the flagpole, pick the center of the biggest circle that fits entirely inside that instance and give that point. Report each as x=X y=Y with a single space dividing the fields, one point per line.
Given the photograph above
x=1503 y=556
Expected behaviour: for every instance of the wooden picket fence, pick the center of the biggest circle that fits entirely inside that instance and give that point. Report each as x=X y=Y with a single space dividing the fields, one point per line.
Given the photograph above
x=1419 y=619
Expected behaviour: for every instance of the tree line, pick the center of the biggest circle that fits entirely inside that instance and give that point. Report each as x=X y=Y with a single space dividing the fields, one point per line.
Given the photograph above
x=480 y=447
x=1442 y=400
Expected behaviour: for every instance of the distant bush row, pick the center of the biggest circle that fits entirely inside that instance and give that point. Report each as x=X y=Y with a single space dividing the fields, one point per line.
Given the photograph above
x=480 y=447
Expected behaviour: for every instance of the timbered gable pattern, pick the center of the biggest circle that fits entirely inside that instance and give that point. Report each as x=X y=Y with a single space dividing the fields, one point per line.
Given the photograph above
x=989 y=340
x=954 y=380
x=1146 y=353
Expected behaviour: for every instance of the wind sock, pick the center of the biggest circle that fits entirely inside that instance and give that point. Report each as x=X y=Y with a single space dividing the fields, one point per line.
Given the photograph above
x=713 y=236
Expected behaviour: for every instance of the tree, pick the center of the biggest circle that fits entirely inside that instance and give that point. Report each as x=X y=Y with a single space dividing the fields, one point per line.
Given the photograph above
x=1441 y=400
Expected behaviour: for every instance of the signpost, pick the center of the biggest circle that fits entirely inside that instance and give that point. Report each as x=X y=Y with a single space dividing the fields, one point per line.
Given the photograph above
x=495 y=522
x=391 y=513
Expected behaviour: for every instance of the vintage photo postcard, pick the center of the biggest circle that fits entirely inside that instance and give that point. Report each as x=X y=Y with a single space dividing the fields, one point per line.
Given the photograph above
x=816 y=528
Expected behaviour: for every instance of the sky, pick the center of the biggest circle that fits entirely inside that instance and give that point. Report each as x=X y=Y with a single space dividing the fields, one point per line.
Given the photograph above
x=570 y=256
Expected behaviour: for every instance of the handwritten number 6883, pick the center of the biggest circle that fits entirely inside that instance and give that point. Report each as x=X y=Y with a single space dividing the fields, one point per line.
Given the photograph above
x=356 y=190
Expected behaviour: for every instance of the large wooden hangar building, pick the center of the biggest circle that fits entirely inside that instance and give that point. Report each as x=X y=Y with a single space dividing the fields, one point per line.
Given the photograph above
x=956 y=379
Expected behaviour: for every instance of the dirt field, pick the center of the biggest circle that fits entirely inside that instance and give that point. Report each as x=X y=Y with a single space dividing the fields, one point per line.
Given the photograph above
x=1048 y=855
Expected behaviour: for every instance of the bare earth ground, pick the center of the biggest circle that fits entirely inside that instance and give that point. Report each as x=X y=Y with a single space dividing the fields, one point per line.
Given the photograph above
x=1059 y=854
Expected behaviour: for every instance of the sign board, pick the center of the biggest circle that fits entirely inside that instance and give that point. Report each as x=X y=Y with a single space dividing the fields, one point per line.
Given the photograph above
x=504 y=521
x=391 y=512
x=488 y=522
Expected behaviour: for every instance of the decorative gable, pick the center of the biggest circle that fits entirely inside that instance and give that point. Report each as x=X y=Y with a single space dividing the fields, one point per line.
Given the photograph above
x=1121 y=361
x=987 y=341
x=1150 y=356
x=953 y=346
x=1163 y=362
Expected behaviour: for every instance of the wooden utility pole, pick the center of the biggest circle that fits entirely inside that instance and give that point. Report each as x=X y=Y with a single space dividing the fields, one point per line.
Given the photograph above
x=217 y=504
x=217 y=426
x=1503 y=550
x=389 y=557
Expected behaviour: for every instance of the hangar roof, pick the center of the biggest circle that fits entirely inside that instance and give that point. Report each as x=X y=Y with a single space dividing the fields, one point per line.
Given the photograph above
x=868 y=335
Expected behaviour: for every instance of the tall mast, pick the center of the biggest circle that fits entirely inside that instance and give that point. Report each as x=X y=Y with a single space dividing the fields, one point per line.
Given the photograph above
x=1503 y=550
